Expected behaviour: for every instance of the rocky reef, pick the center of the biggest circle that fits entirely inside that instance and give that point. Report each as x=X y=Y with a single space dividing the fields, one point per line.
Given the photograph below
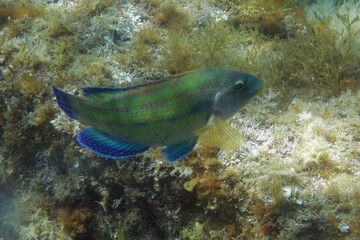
x=296 y=176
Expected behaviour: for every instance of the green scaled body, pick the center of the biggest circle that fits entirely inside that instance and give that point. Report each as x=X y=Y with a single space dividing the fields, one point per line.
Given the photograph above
x=169 y=112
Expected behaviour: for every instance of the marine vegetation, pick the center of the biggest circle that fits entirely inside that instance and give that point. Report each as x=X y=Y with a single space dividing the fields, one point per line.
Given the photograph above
x=295 y=174
x=327 y=47
x=269 y=16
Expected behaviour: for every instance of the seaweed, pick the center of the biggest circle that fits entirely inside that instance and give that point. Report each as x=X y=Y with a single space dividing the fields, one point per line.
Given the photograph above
x=41 y=118
x=207 y=46
x=88 y=9
x=178 y=54
x=268 y=219
x=96 y=72
x=75 y=221
x=55 y=25
x=213 y=43
x=2 y=115
x=148 y=36
x=19 y=11
x=195 y=232
x=41 y=227
x=170 y=16
x=329 y=59
x=268 y=16
x=29 y=85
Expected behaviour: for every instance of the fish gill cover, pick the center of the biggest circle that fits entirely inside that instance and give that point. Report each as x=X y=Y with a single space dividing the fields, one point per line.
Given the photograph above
x=295 y=175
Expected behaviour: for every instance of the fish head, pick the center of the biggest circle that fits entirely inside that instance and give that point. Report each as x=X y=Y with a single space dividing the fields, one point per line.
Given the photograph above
x=241 y=87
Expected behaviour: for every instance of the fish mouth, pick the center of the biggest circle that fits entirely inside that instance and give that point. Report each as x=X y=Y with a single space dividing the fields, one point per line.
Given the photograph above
x=261 y=84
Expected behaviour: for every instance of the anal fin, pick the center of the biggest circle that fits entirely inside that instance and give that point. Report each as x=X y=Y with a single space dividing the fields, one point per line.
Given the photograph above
x=107 y=145
x=179 y=150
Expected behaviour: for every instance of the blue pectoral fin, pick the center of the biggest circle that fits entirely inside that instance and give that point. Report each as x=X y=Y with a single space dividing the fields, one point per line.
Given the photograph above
x=108 y=146
x=178 y=151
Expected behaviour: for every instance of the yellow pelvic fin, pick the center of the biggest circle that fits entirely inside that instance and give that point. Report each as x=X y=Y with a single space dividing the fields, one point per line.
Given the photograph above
x=218 y=133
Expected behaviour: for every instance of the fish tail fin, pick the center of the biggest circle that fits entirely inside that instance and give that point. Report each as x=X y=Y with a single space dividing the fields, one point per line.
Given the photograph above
x=66 y=102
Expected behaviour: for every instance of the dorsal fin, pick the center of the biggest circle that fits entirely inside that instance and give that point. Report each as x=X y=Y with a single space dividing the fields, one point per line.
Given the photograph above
x=92 y=91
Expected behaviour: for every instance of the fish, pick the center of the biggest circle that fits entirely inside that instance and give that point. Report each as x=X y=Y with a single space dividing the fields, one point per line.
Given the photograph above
x=173 y=112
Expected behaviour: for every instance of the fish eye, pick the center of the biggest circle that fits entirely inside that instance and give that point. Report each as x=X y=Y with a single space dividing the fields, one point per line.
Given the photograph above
x=239 y=85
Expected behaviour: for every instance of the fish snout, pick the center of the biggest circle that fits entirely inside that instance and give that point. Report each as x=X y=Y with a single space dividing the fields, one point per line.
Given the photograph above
x=258 y=84
x=261 y=84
